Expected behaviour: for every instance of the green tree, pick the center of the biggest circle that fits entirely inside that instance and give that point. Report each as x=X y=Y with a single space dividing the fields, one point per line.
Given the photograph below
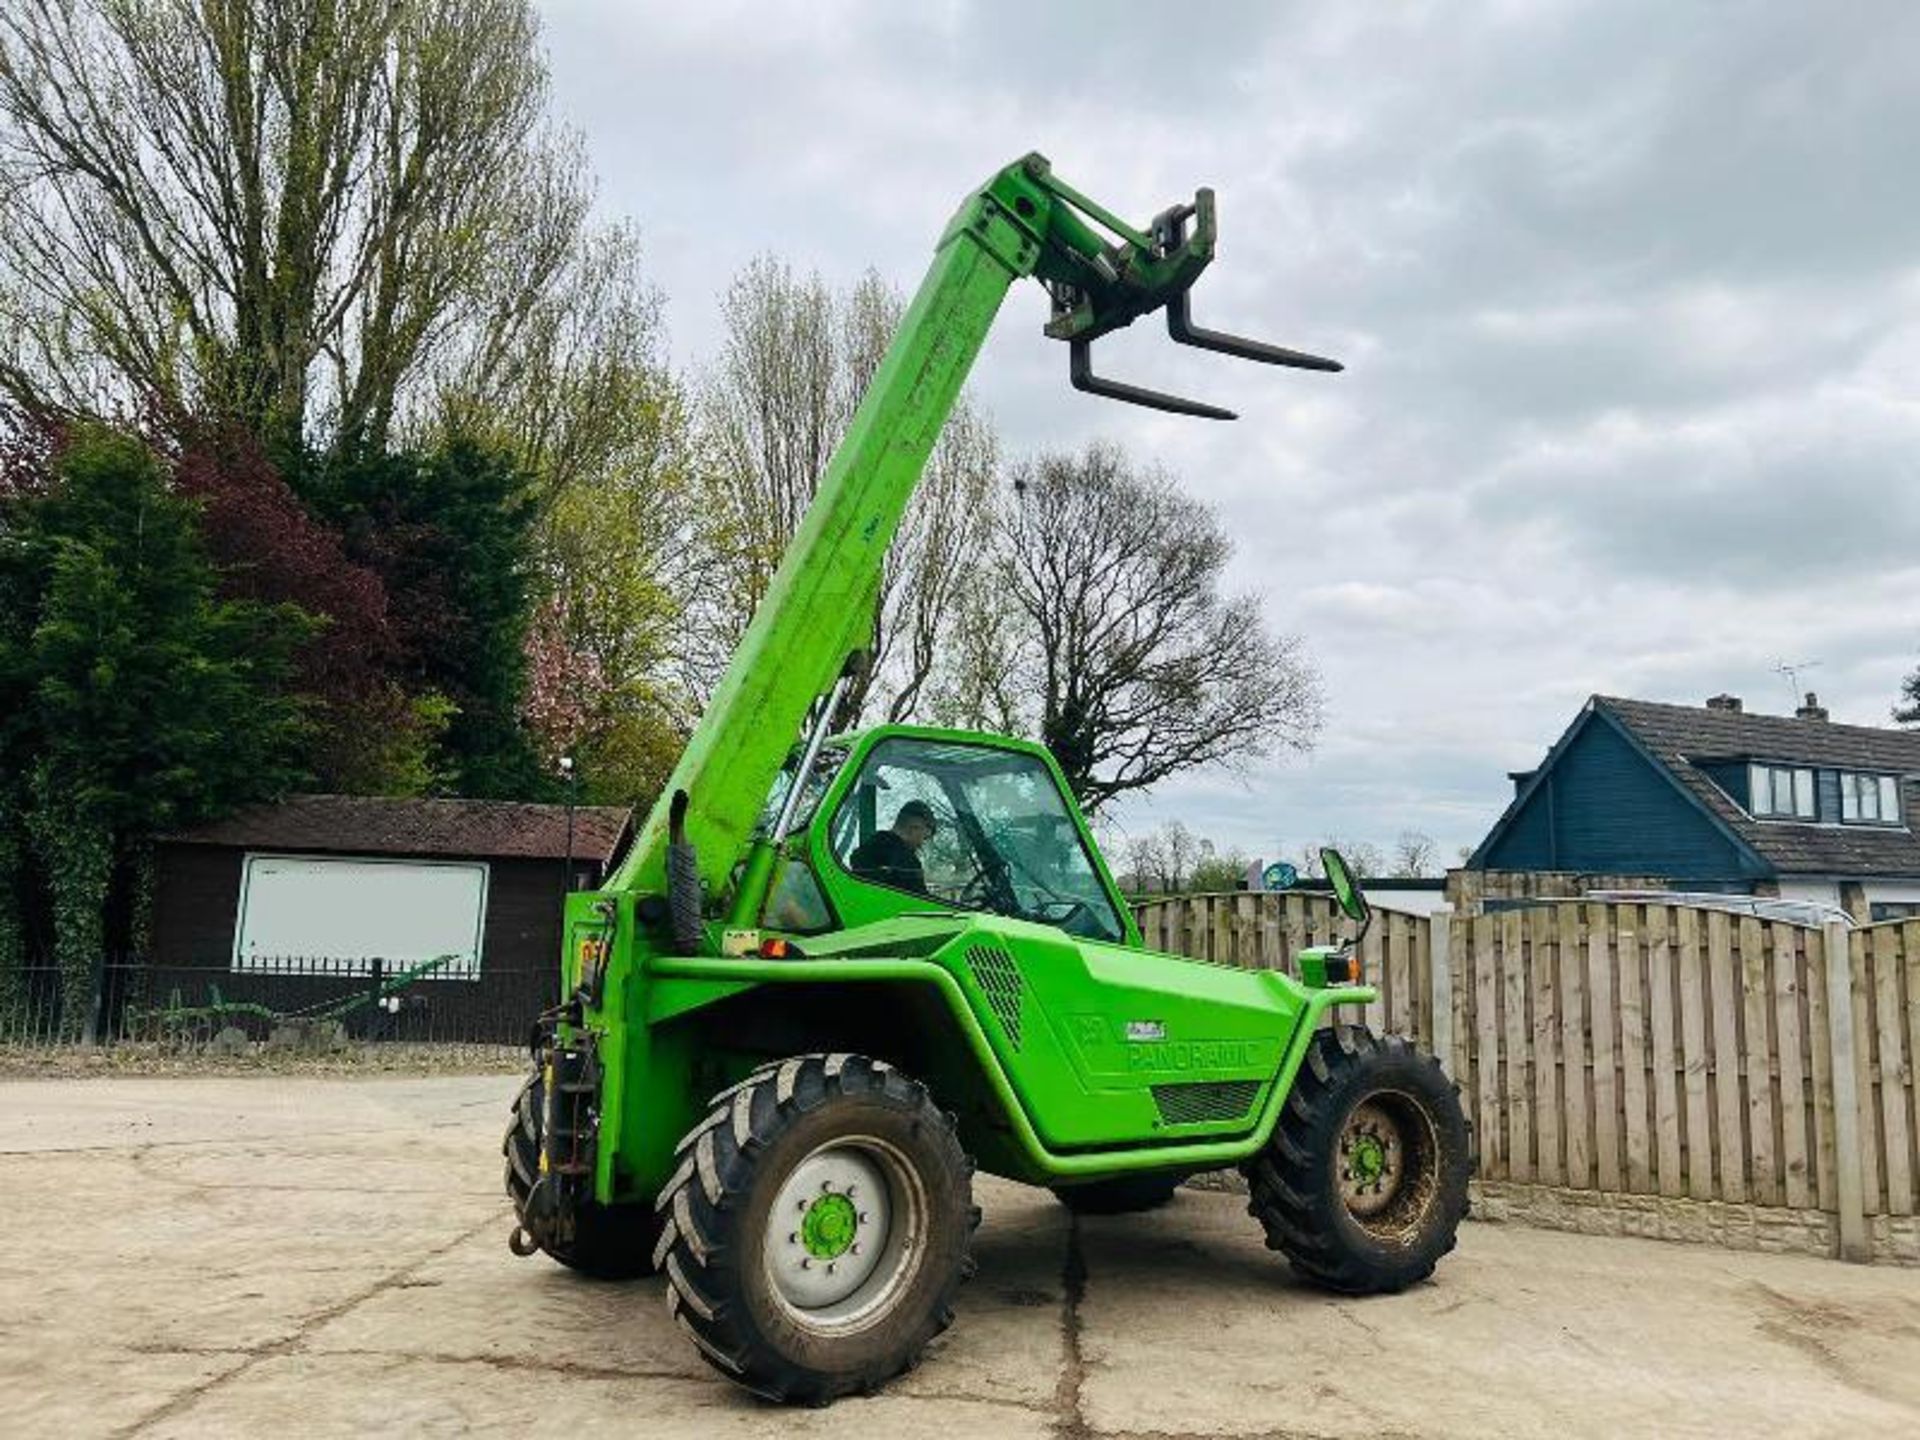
x=151 y=704
x=604 y=679
x=16 y=691
x=449 y=531
x=1219 y=871
x=1907 y=711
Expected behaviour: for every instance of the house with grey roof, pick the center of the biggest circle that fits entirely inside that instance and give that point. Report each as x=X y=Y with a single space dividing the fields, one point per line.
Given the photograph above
x=1719 y=798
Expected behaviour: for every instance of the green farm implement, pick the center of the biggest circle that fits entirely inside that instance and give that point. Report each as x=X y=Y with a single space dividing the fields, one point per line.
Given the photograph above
x=836 y=973
x=177 y=1023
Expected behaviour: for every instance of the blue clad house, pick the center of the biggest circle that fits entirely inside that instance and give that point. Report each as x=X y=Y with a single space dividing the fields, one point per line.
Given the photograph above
x=1717 y=798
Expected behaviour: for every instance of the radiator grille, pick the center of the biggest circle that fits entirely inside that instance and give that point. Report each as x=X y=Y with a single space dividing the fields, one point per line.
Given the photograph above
x=995 y=972
x=1214 y=1100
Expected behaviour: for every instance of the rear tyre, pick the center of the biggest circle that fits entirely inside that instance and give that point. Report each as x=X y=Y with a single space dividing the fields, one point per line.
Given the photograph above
x=1123 y=1195
x=610 y=1242
x=817 y=1227
x=1364 y=1182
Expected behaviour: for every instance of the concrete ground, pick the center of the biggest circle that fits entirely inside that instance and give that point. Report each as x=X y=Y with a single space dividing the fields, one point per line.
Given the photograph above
x=322 y=1257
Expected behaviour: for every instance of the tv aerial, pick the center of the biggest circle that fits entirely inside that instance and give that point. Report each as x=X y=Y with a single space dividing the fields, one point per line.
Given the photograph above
x=1790 y=672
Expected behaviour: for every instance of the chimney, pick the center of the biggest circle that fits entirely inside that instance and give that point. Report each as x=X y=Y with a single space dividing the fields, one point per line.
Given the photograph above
x=1812 y=710
x=1724 y=702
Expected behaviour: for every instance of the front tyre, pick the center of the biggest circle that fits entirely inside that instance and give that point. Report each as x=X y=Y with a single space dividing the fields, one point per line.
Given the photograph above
x=817 y=1227
x=1364 y=1182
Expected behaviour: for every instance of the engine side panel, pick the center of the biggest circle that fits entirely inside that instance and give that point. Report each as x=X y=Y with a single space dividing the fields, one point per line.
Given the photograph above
x=1107 y=1045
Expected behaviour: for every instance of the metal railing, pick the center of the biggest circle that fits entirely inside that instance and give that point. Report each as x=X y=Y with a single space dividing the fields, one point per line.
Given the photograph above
x=277 y=1003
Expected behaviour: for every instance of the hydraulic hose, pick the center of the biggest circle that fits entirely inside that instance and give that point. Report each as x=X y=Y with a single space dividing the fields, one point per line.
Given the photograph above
x=684 y=894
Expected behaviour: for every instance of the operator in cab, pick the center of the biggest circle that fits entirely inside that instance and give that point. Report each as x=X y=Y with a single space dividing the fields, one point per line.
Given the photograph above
x=892 y=857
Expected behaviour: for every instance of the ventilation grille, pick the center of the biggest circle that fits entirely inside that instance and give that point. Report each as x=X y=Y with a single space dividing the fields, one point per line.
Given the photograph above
x=995 y=973
x=1214 y=1100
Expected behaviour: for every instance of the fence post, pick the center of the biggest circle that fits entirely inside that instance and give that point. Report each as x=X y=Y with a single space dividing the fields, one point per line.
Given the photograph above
x=90 y=1036
x=1849 y=1191
x=1440 y=982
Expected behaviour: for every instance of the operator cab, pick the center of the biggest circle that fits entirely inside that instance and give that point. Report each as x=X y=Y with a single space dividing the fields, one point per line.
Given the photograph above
x=901 y=821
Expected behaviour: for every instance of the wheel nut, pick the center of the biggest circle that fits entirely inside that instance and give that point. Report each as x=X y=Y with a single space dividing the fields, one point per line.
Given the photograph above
x=826 y=1187
x=863 y=1217
x=830 y=1269
x=793 y=1237
x=850 y=1190
x=856 y=1249
x=806 y=1264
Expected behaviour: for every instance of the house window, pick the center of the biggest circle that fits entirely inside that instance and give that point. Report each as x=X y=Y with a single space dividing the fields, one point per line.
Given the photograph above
x=1781 y=790
x=1869 y=799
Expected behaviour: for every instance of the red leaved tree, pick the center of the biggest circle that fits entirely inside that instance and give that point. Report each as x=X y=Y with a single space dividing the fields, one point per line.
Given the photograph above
x=269 y=547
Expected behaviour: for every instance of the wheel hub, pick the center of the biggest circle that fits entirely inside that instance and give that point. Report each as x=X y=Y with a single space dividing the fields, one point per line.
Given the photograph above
x=843 y=1234
x=1372 y=1152
x=829 y=1226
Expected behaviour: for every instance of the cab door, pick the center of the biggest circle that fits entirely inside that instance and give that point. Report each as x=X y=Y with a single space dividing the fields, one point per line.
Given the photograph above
x=960 y=822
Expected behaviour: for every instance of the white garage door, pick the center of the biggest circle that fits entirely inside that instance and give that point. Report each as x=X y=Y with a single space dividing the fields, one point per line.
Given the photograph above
x=307 y=914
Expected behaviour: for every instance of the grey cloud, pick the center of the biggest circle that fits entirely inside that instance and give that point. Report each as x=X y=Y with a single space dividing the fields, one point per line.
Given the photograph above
x=1630 y=295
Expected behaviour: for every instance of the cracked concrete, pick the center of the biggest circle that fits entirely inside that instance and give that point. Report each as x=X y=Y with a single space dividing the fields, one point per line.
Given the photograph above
x=326 y=1257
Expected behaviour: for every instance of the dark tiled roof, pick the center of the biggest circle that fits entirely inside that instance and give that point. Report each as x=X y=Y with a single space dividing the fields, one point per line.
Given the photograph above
x=373 y=825
x=1680 y=734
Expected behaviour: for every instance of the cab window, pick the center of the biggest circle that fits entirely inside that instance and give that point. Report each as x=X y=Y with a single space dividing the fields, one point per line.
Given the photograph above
x=974 y=828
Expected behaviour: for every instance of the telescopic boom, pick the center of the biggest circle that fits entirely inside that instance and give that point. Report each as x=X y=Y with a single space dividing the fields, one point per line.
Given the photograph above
x=818 y=608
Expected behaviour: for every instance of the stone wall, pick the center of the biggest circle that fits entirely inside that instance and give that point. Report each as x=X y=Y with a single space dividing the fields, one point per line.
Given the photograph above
x=1776 y=1228
x=1773 y=1228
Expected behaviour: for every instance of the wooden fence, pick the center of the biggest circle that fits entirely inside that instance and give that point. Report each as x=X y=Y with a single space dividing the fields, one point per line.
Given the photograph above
x=1650 y=1050
x=1265 y=930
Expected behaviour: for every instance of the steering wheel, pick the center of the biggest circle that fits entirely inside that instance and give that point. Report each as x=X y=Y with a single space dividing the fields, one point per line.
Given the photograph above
x=1061 y=913
x=977 y=893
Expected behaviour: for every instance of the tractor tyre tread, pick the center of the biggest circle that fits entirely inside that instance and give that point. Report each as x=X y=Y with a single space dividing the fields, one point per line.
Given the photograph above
x=1293 y=1190
x=719 y=1298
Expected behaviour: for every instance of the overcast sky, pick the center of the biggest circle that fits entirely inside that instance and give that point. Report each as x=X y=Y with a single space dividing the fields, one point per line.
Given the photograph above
x=1629 y=296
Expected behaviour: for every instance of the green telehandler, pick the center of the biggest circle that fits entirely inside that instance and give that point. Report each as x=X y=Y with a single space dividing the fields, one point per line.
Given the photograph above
x=835 y=973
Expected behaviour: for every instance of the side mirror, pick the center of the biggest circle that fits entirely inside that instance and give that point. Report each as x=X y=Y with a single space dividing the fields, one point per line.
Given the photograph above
x=1346 y=889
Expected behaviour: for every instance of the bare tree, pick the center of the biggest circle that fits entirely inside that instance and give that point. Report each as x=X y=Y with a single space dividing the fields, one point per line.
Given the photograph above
x=1363 y=858
x=572 y=374
x=1146 y=863
x=796 y=361
x=1171 y=859
x=1413 y=855
x=1184 y=849
x=288 y=211
x=770 y=414
x=978 y=681
x=1140 y=666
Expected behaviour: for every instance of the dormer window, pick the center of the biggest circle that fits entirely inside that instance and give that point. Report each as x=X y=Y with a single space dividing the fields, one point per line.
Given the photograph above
x=1781 y=792
x=1869 y=799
